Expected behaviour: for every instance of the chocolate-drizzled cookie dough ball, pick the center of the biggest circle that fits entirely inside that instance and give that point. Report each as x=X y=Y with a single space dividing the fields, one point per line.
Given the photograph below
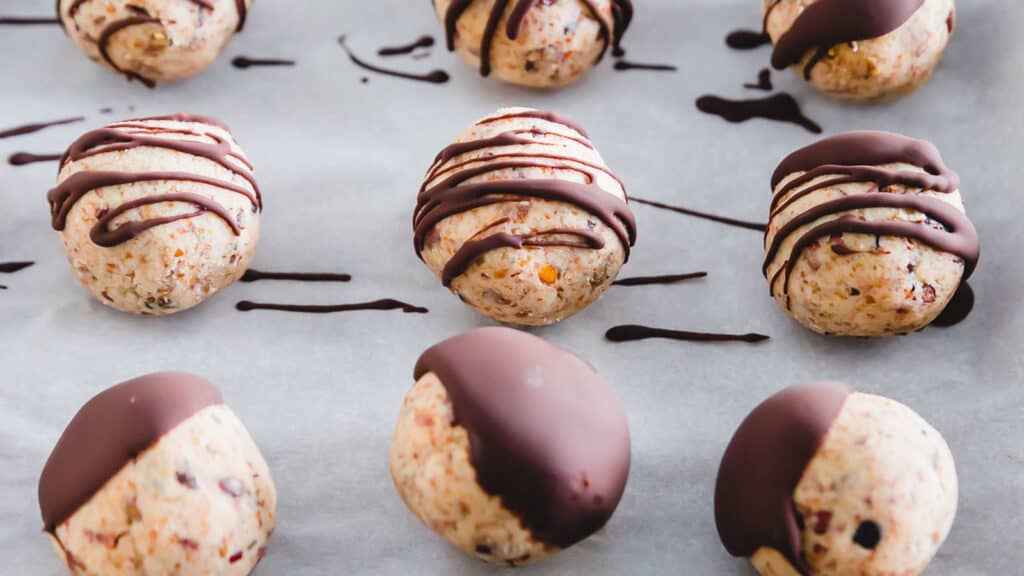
x=823 y=480
x=522 y=219
x=537 y=44
x=865 y=50
x=157 y=214
x=867 y=235
x=153 y=41
x=510 y=447
x=157 y=477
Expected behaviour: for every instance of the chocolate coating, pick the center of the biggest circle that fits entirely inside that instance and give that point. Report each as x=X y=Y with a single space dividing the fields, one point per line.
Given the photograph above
x=827 y=23
x=112 y=430
x=763 y=465
x=546 y=433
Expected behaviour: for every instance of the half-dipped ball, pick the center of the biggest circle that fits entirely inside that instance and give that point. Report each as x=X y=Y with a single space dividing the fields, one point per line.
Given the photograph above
x=157 y=477
x=509 y=447
x=822 y=480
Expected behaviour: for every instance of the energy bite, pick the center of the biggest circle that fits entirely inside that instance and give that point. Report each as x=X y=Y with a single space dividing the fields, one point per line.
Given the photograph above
x=153 y=41
x=522 y=219
x=531 y=43
x=865 y=50
x=157 y=477
x=822 y=480
x=157 y=214
x=867 y=235
x=509 y=447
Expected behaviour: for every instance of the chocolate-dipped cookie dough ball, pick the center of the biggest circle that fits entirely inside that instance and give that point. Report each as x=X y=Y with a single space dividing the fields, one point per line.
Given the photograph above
x=867 y=235
x=863 y=50
x=157 y=477
x=531 y=43
x=157 y=214
x=522 y=219
x=152 y=41
x=510 y=447
x=823 y=480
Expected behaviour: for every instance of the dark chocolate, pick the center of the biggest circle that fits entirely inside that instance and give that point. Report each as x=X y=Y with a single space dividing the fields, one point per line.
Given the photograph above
x=763 y=465
x=861 y=157
x=252 y=275
x=27 y=21
x=546 y=433
x=31 y=128
x=12 y=267
x=747 y=39
x=421 y=42
x=826 y=23
x=445 y=193
x=623 y=65
x=611 y=31
x=635 y=332
x=243 y=62
x=660 y=279
x=714 y=218
x=958 y=309
x=435 y=77
x=23 y=158
x=781 y=107
x=112 y=430
x=764 y=81
x=384 y=304
x=132 y=134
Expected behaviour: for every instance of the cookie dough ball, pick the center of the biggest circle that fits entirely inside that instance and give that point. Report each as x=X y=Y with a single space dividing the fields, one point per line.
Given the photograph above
x=157 y=214
x=864 y=51
x=153 y=41
x=867 y=235
x=157 y=477
x=522 y=219
x=509 y=447
x=823 y=480
x=530 y=43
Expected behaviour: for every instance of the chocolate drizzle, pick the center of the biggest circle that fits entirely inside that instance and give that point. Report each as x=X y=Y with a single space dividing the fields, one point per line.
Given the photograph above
x=546 y=433
x=435 y=77
x=612 y=29
x=714 y=218
x=781 y=107
x=763 y=465
x=140 y=16
x=31 y=128
x=860 y=157
x=11 y=268
x=661 y=279
x=244 y=62
x=131 y=134
x=252 y=275
x=634 y=332
x=421 y=42
x=764 y=81
x=445 y=193
x=748 y=39
x=623 y=65
x=112 y=430
x=958 y=309
x=14 y=21
x=384 y=304
x=23 y=158
x=826 y=23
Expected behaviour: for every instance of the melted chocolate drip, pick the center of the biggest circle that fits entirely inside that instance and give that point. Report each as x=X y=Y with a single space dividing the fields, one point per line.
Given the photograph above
x=546 y=433
x=958 y=309
x=244 y=62
x=858 y=157
x=747 y=39
x=764 y=81
x=132 y=134
x=421 y=42
x=252 y=275
x=31 y=128
x=623 y=65
x=780 y=107
x=827 y=23
x=9 y=21
x=23 y=158
x=384 y=304
x=435 y=77
x=662 y=279
x=763 y=465
x=611 y=32
x=634 y=332
x=714 y=218
x=12 y=267
x=110 y=431
x=451 y=195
